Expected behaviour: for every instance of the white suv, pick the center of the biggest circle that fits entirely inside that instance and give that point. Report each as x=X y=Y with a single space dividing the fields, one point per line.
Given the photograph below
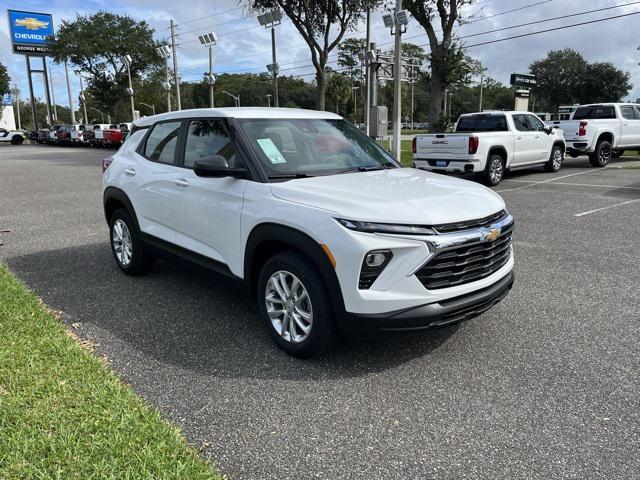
x=326 y=230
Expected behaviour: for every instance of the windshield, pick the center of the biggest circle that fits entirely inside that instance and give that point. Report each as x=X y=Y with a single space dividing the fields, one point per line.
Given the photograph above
x=309 y=147
x=482 y=123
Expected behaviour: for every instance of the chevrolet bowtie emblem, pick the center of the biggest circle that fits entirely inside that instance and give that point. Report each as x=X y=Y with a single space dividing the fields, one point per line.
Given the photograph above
x=31 y=23
x=492 y=235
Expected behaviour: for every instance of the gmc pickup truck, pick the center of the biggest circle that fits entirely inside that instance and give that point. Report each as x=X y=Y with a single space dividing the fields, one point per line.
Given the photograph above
x=490 y=143
x=602 y=131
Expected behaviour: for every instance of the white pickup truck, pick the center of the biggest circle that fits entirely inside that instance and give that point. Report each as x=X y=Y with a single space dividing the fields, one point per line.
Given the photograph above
x=602 y=131
x=490 y=143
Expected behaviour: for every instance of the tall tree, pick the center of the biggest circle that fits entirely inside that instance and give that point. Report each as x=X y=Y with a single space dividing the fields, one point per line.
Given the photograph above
x=604 y=83
x=4 y=80
x=96 y=45
x=446 y=54
x=314 y=20
x=559 y=77
x=338 y=90
x=351 y=53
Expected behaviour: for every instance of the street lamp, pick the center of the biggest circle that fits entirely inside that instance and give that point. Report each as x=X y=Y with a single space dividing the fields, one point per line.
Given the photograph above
x=127 y=61
x=209 y=40
x=165 y=52
x=270 y=20
x=152 y=107
x=236 y=98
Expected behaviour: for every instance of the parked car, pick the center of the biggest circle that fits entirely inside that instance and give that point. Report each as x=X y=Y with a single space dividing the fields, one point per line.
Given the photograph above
x=95 y=136
x=326 y=230
x=15 y=137
x=114 y=136
x=63 y=135
x=602 y=131
x=490 y=143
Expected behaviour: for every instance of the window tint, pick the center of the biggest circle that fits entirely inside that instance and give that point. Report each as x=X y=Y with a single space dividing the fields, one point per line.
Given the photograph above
x=535 y=124
x=521 y=123
x=482 y=123
x=594 y=112
x=162 y=141
x=637 y=110
x=628 y=112
x=207 y=138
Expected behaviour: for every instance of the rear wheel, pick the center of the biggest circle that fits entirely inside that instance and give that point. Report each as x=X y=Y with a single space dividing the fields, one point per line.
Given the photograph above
x=294 y=305
x=555 y=159
x=126 y=244
x=602 y=154
x=17 y=140
x=494 y=171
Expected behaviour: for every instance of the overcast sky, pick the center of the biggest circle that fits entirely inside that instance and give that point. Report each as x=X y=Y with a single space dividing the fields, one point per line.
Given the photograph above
x=243 y=45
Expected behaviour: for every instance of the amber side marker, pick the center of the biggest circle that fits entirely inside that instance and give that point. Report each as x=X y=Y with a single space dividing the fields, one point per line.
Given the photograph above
x=329 y=255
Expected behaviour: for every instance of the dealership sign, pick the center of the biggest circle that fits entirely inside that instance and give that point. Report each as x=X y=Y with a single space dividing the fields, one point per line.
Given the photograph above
x=524 y=80
x=30 y=31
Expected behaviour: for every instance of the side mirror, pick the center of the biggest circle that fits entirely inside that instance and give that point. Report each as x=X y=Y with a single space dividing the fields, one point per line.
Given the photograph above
x=548 y=130
x=216 y=166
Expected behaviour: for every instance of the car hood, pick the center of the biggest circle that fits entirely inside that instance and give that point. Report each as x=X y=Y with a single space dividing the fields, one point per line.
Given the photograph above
x=399 y=195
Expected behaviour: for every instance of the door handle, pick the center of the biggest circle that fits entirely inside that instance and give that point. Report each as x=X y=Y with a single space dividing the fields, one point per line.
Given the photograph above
x=518 y=138
x=181 y=182
x=129 y=171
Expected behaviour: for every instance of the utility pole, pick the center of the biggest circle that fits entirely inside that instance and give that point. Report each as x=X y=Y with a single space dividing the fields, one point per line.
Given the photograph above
x=34 y=112
x=53 y=94
x=17 y=94
x=211 y=99
x=397 y=83
x=83 y=99
x=71 y=109
x=481 y=87
x=373 y=79
x=164 y=51
x=46 y=90
x=367 y=76
x=270 y=20
x=175 y=64
x=209 y=40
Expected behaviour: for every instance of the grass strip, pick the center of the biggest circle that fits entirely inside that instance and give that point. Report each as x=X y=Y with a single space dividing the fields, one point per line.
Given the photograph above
x=65 y=415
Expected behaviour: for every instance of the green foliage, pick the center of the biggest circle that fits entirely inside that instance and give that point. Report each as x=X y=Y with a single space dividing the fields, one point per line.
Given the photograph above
x=351 y=56
x=564 y=77
x=338 y=91
x=4 y=80
x=96 y=44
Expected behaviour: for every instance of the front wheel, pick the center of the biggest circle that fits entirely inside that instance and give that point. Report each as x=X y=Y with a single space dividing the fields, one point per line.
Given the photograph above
x=17 y=140
x=602 y=154
x=555 y=159
x=494 y=171
x=126 y=244
x=294 y=305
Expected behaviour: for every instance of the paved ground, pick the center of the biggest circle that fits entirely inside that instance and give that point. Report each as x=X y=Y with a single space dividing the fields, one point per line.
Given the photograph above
x=545 y=385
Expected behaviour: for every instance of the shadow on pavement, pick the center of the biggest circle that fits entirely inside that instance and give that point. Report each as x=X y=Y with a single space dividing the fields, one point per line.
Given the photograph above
x=194 y=319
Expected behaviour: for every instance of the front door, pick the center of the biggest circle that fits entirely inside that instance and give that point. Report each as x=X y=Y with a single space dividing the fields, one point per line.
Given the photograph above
x=526 y=141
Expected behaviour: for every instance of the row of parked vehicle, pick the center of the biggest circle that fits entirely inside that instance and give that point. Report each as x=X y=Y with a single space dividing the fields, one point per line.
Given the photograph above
x=96 y=135
x=490 y=143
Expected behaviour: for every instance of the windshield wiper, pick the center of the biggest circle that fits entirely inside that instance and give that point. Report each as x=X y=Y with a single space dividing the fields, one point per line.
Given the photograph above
x=290 y=175
x=365 y=169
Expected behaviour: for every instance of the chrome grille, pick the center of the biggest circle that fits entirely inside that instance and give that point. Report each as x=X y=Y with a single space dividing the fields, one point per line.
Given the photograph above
x=465 y=264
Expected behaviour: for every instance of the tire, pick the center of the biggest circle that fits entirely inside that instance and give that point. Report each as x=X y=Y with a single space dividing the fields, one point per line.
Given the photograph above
x=312 y=310
x=17 y=140
x=123 y=232
x=555 y=159
x=617 y=153
x=602 y=154
x=494 y=171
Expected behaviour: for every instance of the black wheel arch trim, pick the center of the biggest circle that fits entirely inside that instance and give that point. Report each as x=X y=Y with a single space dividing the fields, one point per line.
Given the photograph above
x=113 y=193
x=273 y=232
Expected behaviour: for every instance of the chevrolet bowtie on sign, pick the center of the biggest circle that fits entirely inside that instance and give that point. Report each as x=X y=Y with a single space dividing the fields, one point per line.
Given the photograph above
x=30 y=31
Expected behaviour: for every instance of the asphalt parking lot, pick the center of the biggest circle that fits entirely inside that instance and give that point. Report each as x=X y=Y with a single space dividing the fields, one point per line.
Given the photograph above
x=545 y=385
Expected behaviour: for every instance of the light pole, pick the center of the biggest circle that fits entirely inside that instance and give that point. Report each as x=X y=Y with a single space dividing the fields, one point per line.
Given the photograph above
x=176 y=76
x=83 y=100
x=71 y=109
x=397 y=22
x=270 y=20
x=96 y=110
x=209 y=40
x=269 y=99
x=152 y=107
x=165 y=51
x=127 y=61
x=236 y=98
x=53 y=94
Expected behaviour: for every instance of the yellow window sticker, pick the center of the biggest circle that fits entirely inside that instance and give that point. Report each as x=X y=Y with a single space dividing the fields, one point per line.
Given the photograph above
x=271 y=151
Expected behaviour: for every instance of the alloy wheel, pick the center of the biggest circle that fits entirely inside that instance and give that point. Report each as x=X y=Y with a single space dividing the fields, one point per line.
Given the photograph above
x=496 y=170
x=605 y=154
x=557 y=159
x=289 y=306
x=122 y=244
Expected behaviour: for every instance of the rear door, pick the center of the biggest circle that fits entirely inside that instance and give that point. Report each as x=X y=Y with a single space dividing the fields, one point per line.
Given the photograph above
x=208 y=210
x=526 y=149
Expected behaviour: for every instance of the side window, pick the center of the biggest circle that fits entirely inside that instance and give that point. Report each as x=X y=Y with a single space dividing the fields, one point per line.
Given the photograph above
x=628 y=112
x=637 y=110
x=520 y=122
x=535 y=124
x=162 y=142
x=206 y=138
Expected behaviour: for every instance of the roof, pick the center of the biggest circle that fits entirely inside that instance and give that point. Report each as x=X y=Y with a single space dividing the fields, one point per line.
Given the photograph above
x=239 y=112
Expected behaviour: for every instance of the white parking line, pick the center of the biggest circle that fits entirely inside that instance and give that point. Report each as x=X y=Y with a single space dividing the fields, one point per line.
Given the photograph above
x=606 y=208
x=546 y=181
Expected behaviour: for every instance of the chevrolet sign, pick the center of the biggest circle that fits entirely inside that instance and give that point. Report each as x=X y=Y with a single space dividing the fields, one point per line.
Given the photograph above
x=30 y=31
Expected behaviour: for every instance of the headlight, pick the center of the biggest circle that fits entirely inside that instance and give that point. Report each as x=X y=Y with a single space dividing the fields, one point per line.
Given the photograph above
x=370 y=227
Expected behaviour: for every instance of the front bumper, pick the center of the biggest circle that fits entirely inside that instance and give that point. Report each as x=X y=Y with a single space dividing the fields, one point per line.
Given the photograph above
x=427 y=316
